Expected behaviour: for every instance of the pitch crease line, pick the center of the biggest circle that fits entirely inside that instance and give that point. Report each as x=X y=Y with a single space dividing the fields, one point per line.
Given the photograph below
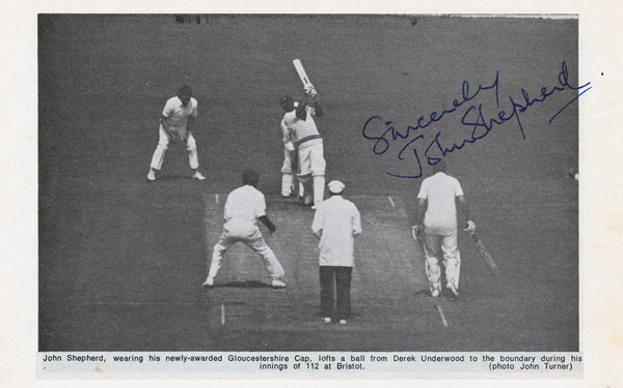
x=223 y=314
x=443 y=318
x=216 y=198
x=391 y=201
x=206 y=223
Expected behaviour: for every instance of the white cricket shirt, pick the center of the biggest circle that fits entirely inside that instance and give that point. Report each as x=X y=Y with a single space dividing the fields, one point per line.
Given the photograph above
x=245 y=203
x=300 y=130
x=177 y=114
x=338 y=221
x=440 y=191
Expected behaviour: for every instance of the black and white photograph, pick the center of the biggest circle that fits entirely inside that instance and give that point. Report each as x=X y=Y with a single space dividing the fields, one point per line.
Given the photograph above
x=237 y=182
x=294 y=194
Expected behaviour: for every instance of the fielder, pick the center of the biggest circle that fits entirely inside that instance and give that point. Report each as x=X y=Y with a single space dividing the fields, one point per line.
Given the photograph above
x=174 y=121
x=436 y=206
x=306 y=139
x=243 y=208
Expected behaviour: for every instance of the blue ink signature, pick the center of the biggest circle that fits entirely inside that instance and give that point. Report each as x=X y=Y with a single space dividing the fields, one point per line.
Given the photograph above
x=383 y=133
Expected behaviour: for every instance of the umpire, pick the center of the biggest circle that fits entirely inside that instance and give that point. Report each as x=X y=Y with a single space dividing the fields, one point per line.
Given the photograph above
x=336 y=223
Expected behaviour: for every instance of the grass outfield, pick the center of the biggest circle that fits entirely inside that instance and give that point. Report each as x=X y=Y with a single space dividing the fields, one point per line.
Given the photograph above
x=122 y=261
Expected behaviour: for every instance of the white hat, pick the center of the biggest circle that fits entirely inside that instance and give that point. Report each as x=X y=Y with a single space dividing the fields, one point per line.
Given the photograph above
x=336 y=187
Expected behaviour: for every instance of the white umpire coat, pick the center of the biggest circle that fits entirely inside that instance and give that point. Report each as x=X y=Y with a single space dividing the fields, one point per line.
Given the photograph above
x=337 y=222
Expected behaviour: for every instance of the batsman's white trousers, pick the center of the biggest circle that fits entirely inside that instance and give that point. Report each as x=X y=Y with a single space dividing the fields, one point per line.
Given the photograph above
x=161 y=149
x=287 y=174
x=311 y=158
x=236 y=230
x=445 y=246
x=312 y=165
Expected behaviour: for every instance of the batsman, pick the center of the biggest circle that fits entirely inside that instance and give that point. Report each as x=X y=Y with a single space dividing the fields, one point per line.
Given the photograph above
x=436 y=219
x=300 y=129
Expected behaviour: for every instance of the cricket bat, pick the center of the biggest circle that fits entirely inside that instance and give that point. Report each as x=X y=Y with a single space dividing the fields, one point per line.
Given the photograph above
x=420 y=242
x=484 y=253
x=300 y=70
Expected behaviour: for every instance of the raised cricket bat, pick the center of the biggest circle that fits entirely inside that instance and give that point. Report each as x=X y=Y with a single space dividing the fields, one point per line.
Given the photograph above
x=300 y=70
x=484 y=253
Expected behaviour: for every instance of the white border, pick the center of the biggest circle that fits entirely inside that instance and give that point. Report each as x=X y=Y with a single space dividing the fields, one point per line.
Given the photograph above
x=601 y=167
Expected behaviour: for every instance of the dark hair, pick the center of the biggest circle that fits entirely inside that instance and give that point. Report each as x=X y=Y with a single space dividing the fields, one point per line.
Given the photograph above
x=440 y=166
x=287 y=103
x=185 y=90
x=250 y=177
x=301 y=112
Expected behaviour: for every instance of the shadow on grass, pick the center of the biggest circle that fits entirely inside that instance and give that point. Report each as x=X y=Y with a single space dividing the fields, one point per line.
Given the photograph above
x=245 y=284
x=173 y=178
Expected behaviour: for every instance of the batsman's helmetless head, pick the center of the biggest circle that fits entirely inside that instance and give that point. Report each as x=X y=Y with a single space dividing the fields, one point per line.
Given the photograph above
x=250 y=177
x=441 y=166
x=185 y=93
x=301 y=112
x=287 y=103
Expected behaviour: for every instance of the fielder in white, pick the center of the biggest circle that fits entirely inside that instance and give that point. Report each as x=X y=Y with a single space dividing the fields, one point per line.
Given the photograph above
x=243 y=208
x=437 y=207
x=304 y=134
x=336 y=223
x=174 y=128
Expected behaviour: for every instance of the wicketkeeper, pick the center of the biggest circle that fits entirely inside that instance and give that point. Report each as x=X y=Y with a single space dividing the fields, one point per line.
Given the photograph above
x=436 y=219
x=290 y=156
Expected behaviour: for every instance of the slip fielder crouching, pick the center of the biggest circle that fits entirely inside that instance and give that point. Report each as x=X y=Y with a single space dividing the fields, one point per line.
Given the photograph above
x=174 y=127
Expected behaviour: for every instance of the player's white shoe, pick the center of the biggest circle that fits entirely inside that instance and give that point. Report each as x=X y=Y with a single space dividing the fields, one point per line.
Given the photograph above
x=276 y=283
x=434 y=293
x=151 y=175
x=342 y=321
x=326 y=320
x=209 y=282
x=198 y=176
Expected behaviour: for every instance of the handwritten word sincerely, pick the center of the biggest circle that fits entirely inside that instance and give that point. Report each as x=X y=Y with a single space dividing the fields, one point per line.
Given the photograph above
x=383 y=134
